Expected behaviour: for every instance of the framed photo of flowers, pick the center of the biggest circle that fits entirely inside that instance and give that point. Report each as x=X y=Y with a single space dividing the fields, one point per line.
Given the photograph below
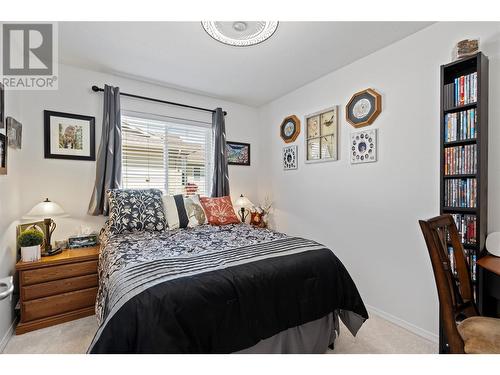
x=321 y=135
x=69 y=136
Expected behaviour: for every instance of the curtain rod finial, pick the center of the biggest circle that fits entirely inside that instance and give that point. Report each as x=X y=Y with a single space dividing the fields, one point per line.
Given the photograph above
x=95 y=88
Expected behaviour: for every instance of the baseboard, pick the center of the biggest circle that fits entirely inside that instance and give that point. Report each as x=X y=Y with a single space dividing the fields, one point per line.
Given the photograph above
x=404 y=324
x=8 y=335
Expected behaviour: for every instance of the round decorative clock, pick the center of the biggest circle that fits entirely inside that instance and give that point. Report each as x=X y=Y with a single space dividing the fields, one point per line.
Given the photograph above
x=363 y=108
x=290 y=129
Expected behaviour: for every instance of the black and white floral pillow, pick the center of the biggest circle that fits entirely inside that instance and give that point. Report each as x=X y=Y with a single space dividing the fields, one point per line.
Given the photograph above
x=133 y=210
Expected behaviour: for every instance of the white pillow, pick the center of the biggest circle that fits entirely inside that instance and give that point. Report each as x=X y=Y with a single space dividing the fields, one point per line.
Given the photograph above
x=183 y=212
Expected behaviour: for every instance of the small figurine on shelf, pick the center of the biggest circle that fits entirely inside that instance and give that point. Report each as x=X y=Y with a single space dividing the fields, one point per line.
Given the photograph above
x=259 y=215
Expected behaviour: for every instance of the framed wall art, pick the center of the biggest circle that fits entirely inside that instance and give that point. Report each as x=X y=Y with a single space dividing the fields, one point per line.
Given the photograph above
x=238 y=153
x=14 y=132
x=2 y=106
x=290 y=129
x=3 y=154
x=69 y=136
x=321 y=135
x=363 y=108
x=364 y=146
x=290 y=158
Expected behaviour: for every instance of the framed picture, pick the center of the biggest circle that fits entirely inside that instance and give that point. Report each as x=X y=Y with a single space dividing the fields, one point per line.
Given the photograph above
x=290 y=157
x=69 y=136
x=363 y=108
x=364 y=146
x=3 y=154
x=238 y=153
x=2 y=106
x=321 y=135
x=290 y=129
x=14 y=132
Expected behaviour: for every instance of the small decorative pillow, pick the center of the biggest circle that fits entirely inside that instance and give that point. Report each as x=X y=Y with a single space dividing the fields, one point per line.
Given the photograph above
x=133 y=210
x=183 y=212
x=219 y=211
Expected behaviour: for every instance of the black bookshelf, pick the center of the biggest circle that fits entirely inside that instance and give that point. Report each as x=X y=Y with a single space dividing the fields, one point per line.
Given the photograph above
x=477 y=63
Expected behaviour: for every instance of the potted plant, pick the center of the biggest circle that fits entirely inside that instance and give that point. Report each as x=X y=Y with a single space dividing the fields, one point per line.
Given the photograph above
x=29 y=241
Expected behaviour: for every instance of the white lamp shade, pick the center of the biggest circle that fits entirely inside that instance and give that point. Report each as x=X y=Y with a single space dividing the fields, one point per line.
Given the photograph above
x=45 y=209
x=243 y=202
x=493 y=243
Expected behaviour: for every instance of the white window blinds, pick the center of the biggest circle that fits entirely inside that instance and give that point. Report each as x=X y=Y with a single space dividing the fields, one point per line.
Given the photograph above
x=173 y=156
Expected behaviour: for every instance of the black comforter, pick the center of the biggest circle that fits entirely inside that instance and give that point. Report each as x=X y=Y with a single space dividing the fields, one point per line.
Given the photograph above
x=214 y=300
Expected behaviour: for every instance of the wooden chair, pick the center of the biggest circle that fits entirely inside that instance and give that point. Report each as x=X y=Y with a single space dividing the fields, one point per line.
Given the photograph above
x=464 y=330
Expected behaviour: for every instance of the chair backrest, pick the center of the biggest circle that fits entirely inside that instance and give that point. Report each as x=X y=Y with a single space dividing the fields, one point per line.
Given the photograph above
x=452 y=275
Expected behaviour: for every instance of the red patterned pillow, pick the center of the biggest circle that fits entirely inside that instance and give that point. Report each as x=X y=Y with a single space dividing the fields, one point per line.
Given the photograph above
x=219 y=211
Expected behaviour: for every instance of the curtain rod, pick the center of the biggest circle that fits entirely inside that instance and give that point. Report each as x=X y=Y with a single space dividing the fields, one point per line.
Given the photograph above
x=97 y=89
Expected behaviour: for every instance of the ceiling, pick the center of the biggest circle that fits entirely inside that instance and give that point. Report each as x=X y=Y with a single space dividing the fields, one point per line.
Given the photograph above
x=181 y=55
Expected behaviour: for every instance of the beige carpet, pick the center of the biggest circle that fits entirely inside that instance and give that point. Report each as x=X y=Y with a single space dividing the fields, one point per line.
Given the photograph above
x=376 y=336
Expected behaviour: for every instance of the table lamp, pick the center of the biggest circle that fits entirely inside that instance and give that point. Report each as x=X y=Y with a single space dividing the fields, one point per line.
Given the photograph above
x=46 y=210
x=243 y=202
x=493 y=243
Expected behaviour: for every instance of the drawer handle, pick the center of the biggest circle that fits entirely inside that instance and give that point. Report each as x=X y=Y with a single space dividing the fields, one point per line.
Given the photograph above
x=8 y=284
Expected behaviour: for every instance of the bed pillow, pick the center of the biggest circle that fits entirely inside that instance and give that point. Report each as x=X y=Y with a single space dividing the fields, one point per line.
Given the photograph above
x=133 y=210
x=183 y=212
x=219 y=211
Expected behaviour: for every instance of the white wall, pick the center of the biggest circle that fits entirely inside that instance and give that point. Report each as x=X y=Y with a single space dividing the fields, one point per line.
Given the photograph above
x=9 y=213
x=31 y=177
x=368 y=213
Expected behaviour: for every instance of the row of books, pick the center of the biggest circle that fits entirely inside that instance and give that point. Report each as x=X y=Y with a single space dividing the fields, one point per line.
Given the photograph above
x=460 y=193
x=470 y=256
x=466 y=225
x=460 y=125
x=460 y=160
x=462 y=91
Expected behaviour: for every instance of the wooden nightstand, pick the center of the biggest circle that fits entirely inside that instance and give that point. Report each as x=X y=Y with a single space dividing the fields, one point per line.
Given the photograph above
x=57 y=288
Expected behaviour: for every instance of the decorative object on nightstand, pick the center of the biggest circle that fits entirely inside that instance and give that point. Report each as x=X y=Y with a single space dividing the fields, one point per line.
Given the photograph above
x=29 y=241
x=244 y=203
x=46 y=210
x=290 y=129
x=259 y=215
x=321 y=135
x=364 y=146
x=83 y=240
x=290 y=157
x=57 y=289
x=363 y=108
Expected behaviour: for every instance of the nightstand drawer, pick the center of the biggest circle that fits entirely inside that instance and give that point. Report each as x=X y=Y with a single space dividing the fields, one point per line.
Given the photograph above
x=52 y=288
x=62 y=303
x=58 y=272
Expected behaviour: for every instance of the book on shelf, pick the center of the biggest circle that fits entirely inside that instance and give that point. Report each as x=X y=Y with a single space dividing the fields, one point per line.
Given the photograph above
x=466 y=225
x=471 y=258
x=462 y=91
x=460 y=126
x=460 y=160
x=460 y=193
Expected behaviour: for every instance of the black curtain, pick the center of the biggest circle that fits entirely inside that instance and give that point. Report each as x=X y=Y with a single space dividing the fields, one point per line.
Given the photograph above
x=109 y=157
x=220 y=182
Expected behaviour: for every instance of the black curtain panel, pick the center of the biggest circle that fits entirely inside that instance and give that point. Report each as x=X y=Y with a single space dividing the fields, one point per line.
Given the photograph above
x=220 y=182
x=109 y=157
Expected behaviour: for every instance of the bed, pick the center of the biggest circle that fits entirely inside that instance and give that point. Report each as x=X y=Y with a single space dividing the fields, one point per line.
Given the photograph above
x=221 y=289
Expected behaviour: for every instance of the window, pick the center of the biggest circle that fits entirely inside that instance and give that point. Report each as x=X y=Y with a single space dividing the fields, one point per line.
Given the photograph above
x=172 y=155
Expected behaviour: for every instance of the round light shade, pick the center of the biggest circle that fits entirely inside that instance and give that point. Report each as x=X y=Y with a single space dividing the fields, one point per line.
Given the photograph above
x=45 y=209
x=240 y=33
x=243 y=202
x=493 y=243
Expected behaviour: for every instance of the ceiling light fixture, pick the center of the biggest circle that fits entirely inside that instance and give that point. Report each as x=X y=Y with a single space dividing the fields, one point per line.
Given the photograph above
x=240 y=33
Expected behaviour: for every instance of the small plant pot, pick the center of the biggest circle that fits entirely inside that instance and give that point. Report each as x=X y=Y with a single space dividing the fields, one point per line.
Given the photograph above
x=31 y=253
